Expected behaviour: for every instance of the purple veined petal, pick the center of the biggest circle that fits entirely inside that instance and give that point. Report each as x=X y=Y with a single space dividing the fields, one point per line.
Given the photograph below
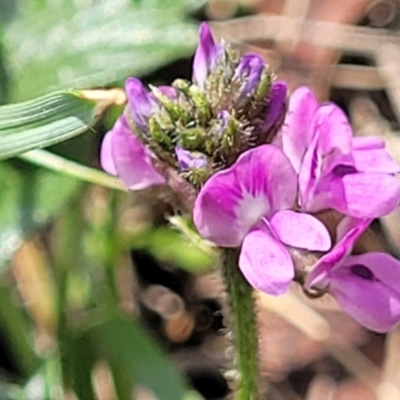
x=335 y=130
x=360 y=195
x=300 y=230
x=265 y=262
x=374 y=160
x=296 y=133
x=368 y=195
x=277 y=102
x=308 y=175
x=188 y=160
x=132 y=161
x=140 y=102
x=234 y=200
x=106 y=158
x=370 y=301
x=348 y=232
x=250 y=67
x=205 y=56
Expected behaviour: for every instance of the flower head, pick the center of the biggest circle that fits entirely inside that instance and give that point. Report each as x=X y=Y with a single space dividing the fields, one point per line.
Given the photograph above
x=249 y=204
x=367 y=286
x=355 y=176
x=202 y=127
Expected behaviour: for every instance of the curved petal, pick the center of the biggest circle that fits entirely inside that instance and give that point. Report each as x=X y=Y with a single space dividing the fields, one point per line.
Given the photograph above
x=277 y=101
x=370 y=302
x=300 y=230
x=249 y=70
x=334 y=130
x=106 y=159
x=265 y=263
x=190 y=159
x=140 y=103
x=296 y=133
x=368 y=195
x=132 y=161
x=367 y=143
x=234 y=200
x=385 y=268
x=205 y=55
x=374 y=160
x=348 y=232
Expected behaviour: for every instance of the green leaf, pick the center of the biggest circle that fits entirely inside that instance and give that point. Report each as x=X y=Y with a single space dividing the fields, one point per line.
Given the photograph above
x=86 y=44
x=126 y=343
x=44 y=121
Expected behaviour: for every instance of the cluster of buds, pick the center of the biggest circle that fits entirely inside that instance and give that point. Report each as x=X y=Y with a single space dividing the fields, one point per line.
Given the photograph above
x=262 y=177
x=201 y=127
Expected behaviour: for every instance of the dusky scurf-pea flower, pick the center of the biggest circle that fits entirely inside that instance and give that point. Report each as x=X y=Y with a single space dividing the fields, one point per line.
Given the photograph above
x=367 y=286
x=196 y=128
x=249 y=204
x=355 y=176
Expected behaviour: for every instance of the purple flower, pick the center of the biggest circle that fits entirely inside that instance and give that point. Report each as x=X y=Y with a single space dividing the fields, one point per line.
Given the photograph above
x=251 y=67
x=355 y=176
x=249 y=205
x=190 y=160
x=367 y=286
x=205 y=57
x=123 y=155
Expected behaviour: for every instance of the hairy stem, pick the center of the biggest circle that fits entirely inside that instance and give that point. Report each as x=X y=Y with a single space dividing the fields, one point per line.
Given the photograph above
x=244 y=327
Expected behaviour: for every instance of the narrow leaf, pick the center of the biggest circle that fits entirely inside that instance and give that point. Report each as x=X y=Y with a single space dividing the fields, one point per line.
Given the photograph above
x=44 y=121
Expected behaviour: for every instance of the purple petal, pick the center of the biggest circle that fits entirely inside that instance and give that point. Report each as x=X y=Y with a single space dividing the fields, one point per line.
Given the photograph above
x=234 y=200
x=190 y=160
x=367 y=287
x=265 y=262
x=334 y=130
x=140 y=102
x=132 y=161
x=205 y=56
x=277 y=101
x=250 y=68
x=348 y=231
x=360 y=195
x=368 y=143
x=367 y=195
x=296 y=133
x=300 y=230
x=374 y=160
x=106 y=159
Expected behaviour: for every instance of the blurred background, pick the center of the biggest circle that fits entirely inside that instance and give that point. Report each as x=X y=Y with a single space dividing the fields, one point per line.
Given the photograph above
x=99 y=297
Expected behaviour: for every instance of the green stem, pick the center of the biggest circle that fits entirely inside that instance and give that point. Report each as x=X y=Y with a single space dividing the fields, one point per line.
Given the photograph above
x=244 y=326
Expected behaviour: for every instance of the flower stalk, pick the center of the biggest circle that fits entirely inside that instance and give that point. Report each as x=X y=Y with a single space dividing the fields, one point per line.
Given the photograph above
x=244 y=327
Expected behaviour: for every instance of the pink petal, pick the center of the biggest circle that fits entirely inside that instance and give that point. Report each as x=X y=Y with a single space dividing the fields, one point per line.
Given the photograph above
x=300 y=230
x=132 y=161
x=372 y=302
x=265 y=262
x=334 y=130
x=140 y=102
x=206 y=53
x=374 y=160
x=234 y=200
x=296 y=133
x=367 y=143
x=106 y=159
x=360 y=195
x=348 y=232
x=385 y=267
x=277 y=100
x=369 y=195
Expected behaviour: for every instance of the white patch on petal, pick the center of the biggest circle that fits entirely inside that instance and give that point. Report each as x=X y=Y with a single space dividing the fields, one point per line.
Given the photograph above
x=251 y=209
